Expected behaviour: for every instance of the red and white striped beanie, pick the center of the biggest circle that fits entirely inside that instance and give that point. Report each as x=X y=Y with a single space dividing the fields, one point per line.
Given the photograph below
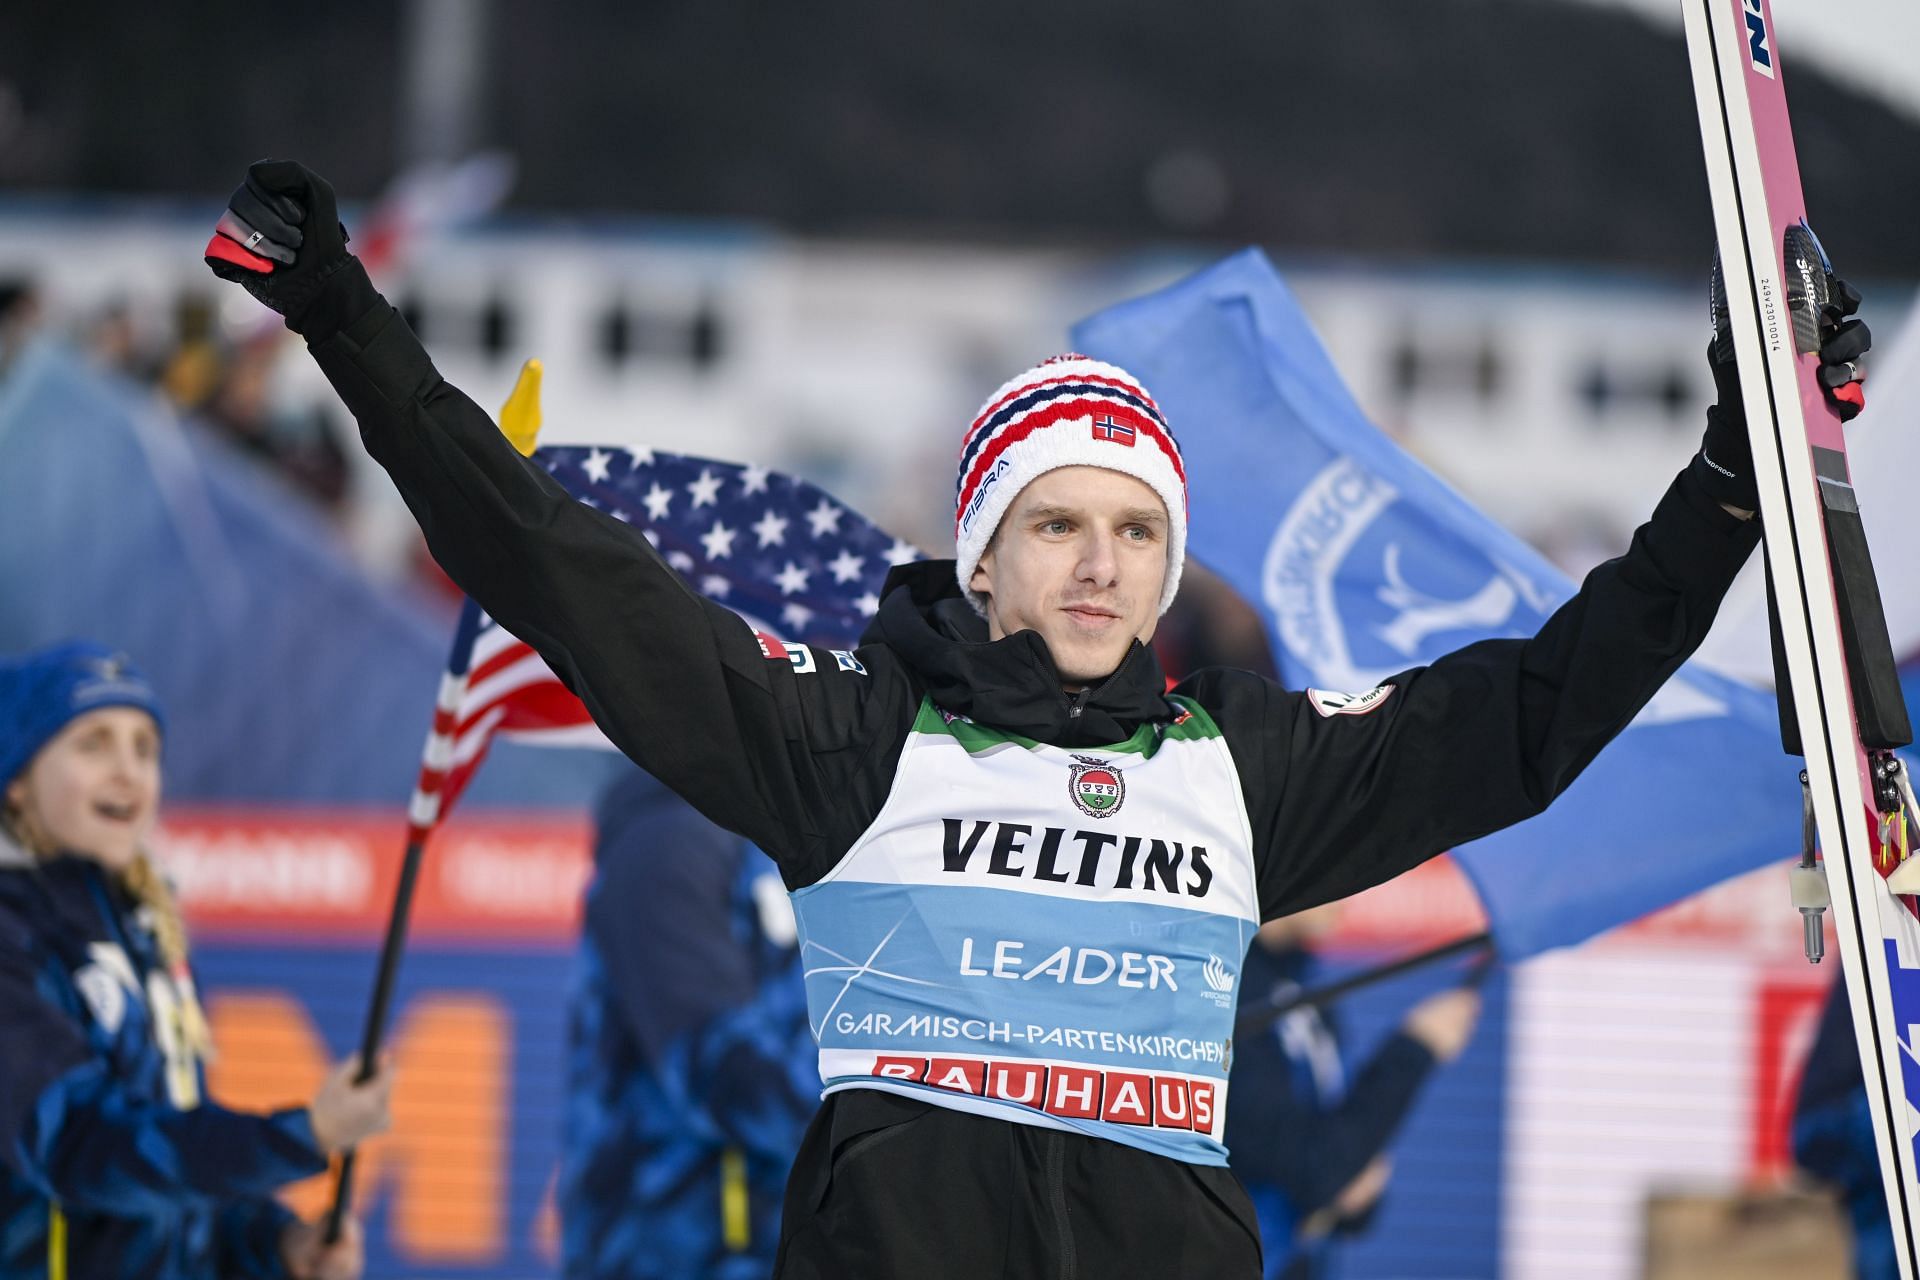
x=1071 y=411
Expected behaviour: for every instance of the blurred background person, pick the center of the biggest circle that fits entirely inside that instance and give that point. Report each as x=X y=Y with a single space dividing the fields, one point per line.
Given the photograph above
x=1307 y=1128
x=693 y=1069
x=1833 y=1137
x=112 y=1160
x=19 y=318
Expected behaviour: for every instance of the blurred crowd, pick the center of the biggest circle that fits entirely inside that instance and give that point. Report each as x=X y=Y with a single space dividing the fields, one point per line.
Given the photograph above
x=215 y=374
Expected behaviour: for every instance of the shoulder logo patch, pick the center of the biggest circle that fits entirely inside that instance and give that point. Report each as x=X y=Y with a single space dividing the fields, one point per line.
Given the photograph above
x=1097 y=788
x=1329 y=703
x=798 y=656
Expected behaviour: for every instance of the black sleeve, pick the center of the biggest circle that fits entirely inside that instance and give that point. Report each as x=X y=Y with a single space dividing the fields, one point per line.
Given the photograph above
x=678 y=683
x=1483 y=737
x=1280 y=1138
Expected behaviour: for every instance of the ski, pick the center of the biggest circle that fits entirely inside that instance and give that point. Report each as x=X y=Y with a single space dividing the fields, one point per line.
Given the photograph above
x=1840 y=701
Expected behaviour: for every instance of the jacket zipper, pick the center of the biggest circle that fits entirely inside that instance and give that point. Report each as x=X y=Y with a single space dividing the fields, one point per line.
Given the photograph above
x=1076 y=703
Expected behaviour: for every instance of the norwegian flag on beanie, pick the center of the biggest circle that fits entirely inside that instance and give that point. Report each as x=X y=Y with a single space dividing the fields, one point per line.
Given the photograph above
x=1069 y=411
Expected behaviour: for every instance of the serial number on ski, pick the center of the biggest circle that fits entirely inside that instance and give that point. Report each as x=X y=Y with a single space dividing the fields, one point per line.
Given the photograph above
x=1770 y=313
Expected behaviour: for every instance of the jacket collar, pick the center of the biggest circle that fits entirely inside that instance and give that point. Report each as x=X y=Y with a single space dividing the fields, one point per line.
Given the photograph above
x=1011 y=683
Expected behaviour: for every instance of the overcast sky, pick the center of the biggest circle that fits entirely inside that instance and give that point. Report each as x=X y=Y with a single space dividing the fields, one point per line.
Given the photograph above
x=1873 y=43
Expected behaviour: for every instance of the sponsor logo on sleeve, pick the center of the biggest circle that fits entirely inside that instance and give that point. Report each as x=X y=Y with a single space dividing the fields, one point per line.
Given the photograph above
x=1329 y=703
x=774 y=649
x=845 y=661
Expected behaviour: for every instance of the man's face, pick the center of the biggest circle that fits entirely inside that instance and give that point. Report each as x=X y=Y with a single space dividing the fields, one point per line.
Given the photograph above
x=1080 y=557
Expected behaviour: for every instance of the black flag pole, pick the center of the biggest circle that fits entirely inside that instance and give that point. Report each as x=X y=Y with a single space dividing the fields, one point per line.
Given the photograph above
x=390 y=952
x=1264 y=1015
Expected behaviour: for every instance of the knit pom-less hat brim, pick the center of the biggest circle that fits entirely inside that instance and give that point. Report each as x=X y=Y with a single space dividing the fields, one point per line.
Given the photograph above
x=1071 y=411
x=43 y=691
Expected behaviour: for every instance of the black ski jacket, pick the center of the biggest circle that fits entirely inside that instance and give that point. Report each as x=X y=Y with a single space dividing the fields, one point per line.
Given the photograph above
x=885 y=1185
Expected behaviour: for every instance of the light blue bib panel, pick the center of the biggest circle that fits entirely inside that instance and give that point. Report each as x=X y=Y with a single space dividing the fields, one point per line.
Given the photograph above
x=1045 y=935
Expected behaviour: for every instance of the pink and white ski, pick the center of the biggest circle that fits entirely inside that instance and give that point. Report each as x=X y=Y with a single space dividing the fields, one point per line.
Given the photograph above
x=1846 y=712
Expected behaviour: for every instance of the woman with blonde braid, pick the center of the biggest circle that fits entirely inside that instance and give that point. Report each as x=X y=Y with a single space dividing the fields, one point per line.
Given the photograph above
x=112 y=1161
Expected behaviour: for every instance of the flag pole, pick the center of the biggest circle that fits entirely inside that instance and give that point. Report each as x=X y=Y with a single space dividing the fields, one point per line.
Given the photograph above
x=520 y=423
x=1265 y=1015
x=423 y=814
x=396 y=942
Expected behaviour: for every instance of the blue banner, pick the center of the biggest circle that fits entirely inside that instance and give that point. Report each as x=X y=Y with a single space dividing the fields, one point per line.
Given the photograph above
x=1364 y=563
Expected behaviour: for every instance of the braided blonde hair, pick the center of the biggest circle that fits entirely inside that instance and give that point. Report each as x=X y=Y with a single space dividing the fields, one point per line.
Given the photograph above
x=152 y=890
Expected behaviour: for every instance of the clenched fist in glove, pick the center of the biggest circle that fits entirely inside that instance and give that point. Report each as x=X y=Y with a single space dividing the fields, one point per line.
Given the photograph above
x=1724 y=464
x=281 y=239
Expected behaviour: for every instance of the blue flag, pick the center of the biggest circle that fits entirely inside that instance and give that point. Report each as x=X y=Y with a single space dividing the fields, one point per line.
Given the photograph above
x=1364 y=564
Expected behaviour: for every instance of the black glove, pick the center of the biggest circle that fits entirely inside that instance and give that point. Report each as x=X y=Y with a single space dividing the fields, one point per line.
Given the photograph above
x=281 y=239
x=1724 y=465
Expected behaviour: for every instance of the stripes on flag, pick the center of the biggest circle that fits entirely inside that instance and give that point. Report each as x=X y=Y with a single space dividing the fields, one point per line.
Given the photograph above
x=782 y=553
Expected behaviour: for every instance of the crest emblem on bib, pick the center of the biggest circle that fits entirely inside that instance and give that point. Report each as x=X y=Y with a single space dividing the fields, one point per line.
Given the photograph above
x=1096 y=787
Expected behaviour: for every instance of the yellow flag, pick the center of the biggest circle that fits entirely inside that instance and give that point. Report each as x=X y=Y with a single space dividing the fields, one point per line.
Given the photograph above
x=520 y=415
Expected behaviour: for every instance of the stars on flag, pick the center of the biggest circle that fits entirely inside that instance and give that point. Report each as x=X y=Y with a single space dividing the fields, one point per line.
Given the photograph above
x=771 y=529
x=791 y=579
x=718 y=541
x=824 y=519
x=846 y=566
x=735 y=533
x=705 y=490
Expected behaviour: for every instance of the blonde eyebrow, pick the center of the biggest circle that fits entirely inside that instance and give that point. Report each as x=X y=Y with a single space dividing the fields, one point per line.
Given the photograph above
x=1051 y=512
x=1132 y=515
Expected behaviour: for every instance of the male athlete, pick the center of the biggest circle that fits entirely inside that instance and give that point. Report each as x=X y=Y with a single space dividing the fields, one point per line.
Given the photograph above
x=1025 y=874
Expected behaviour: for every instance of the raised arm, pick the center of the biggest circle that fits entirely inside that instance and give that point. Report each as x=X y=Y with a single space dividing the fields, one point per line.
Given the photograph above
x=1343 y=797
x=678 y=683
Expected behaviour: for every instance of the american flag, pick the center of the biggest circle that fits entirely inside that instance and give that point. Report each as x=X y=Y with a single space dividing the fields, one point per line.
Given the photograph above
x=782 y=553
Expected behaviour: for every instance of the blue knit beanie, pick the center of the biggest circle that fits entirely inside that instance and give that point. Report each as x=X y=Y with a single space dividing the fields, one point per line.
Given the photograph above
x=43 y=691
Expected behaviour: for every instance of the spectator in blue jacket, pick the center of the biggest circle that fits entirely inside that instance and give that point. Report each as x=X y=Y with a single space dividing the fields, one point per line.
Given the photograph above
x=693 y=1074
x=1833 y=1137
x=1309 y=1133
x=113 y=1162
